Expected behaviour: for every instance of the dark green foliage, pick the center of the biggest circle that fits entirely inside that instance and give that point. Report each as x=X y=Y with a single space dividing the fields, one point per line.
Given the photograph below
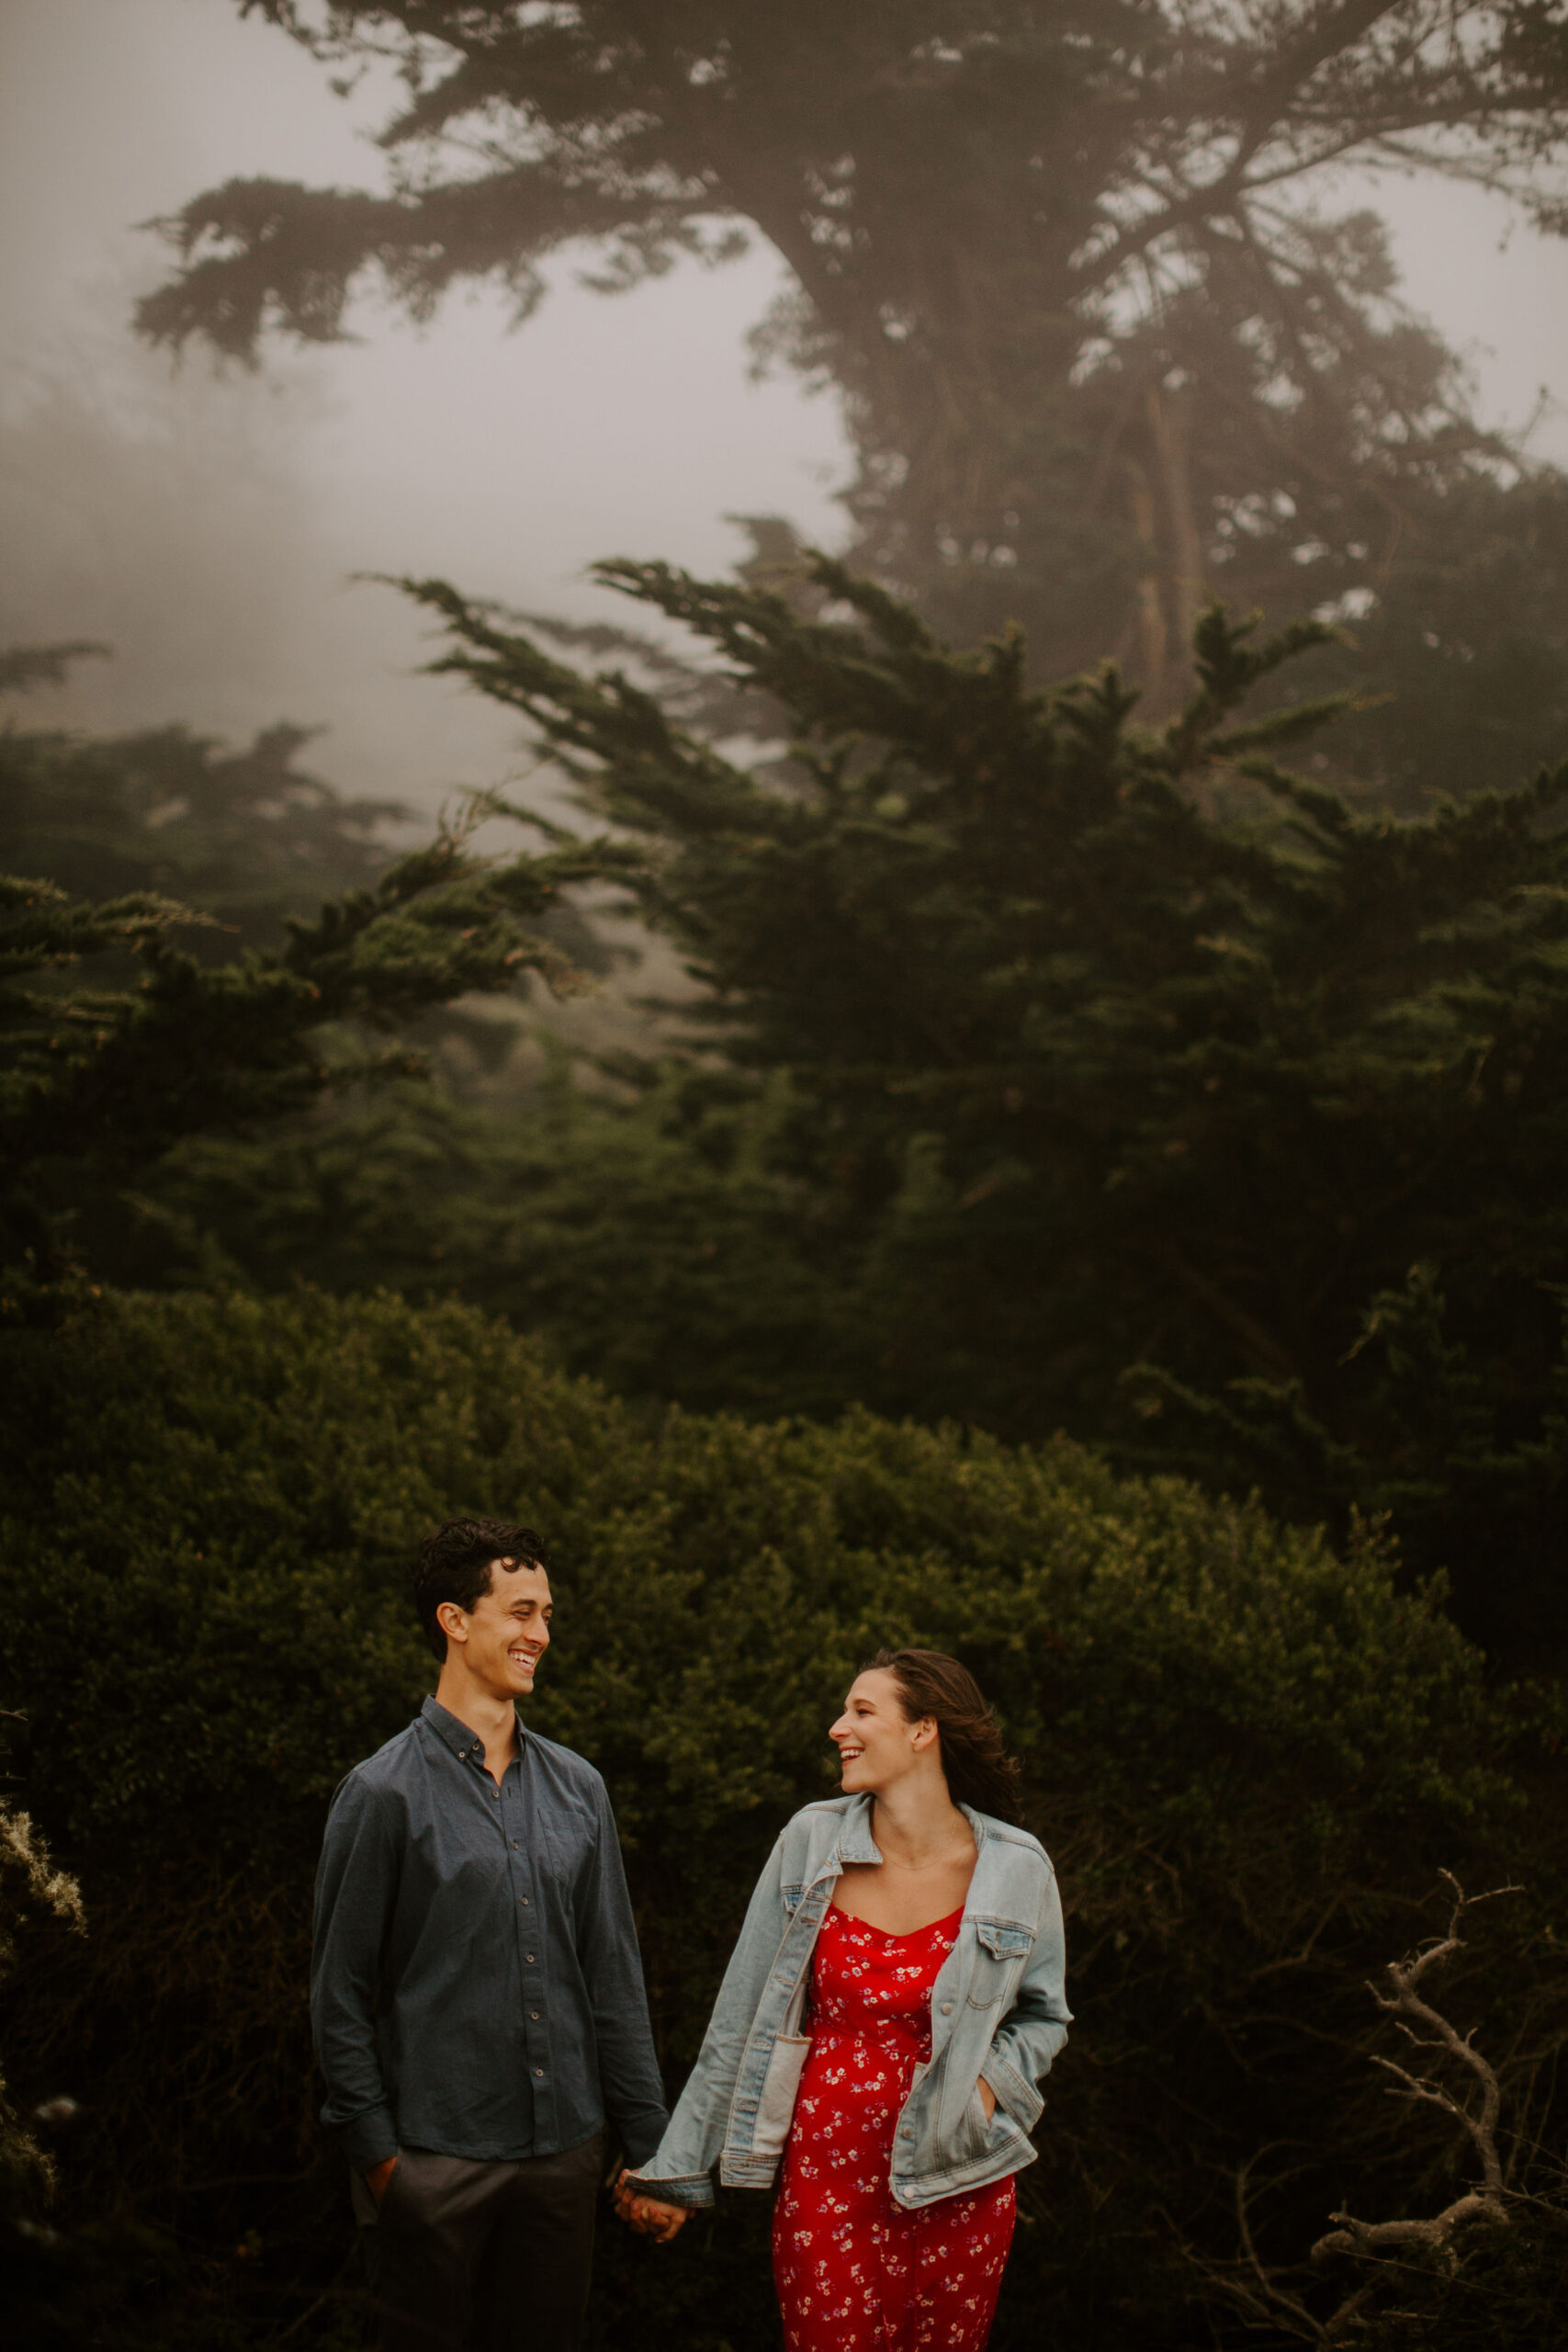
x=1073 y=1075
x=1095 y=341
x=1114 y=1050
x=650 y=1241
x=1248 y=1755
x=96 y=1081
x=246 y=837
x=1463 y=652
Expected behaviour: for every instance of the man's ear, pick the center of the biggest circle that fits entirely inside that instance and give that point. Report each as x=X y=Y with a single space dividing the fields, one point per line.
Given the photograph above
x=453 y=1620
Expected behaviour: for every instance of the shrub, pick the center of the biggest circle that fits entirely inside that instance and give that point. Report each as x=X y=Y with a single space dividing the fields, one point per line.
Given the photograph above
x=1247 y=1753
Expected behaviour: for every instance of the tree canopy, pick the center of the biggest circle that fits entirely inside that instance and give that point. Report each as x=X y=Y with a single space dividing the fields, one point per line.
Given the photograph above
x=243 y=836
x=1147 y=1087
x=99 y=1078
x=1068 y=265
x=1049 y=1070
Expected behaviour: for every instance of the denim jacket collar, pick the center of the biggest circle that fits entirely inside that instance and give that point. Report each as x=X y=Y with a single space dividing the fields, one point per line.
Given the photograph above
x=856 y=1843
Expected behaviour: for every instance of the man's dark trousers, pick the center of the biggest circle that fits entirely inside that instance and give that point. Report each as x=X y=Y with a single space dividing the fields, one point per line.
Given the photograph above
x=473 y=2256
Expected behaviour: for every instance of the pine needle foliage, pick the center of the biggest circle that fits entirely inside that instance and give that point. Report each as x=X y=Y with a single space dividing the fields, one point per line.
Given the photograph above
x=1126 y=1046
x=101 y=1079
x=245 y=836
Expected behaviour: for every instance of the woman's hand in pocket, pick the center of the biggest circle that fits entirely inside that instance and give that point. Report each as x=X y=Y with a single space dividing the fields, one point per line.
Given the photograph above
x=379 y=2176
x=988 y=2098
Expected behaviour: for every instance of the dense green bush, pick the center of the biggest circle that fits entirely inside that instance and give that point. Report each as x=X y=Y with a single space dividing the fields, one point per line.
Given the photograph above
x=1247 y=1755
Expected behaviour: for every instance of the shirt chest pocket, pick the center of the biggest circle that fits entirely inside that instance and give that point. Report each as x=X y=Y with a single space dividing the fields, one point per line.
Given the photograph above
x=565 y=1843
x=1002 y=1952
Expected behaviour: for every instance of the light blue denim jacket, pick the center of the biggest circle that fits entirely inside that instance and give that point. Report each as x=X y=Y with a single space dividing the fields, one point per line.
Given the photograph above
x=998 y=2008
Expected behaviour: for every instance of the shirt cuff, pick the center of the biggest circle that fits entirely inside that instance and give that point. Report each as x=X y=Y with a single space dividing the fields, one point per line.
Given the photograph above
x=369 y=2139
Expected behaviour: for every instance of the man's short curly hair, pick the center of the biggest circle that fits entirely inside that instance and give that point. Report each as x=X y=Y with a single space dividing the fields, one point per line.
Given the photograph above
x=455 y=1565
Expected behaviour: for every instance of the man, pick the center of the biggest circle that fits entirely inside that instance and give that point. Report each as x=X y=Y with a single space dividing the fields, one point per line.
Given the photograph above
x=476 y=1990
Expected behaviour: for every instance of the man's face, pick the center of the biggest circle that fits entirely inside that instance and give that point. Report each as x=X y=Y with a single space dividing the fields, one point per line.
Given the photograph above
x=501 y=1639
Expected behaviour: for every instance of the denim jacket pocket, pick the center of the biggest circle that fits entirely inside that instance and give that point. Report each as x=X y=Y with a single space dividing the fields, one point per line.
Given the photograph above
x=781 y=2087
x=973 y=2132
x=1004 y=1949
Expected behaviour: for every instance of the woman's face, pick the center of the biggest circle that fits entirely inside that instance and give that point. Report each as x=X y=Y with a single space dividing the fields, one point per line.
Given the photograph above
x=876 y=1742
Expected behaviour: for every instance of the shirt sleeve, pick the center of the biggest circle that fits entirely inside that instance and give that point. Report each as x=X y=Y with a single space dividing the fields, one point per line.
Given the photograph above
x=355 y=1887
x=629 y=2080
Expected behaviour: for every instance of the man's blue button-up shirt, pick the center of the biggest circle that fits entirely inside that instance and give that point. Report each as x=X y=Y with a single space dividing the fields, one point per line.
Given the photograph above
x=475 y=1986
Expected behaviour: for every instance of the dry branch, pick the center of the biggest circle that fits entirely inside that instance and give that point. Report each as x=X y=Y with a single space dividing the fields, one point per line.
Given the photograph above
x=1256 y=2290
x=1432 y=2030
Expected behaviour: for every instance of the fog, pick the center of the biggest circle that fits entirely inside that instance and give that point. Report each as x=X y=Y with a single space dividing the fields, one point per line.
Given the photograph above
x=208 y=524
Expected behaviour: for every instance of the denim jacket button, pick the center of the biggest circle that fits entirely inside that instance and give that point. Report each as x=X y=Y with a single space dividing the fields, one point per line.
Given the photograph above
x=947 y=2008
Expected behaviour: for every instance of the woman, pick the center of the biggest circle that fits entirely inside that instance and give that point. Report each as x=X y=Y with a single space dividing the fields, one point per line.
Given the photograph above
x=896 y=1994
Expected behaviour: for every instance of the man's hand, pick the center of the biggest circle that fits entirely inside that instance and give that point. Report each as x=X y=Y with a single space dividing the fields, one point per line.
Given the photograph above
x=650 y=2216
x=376 y=2178
x=988 y=2098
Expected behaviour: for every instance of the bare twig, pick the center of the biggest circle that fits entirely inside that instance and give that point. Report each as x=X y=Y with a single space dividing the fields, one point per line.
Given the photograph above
x=1432 y=2030
x=1258 y=2291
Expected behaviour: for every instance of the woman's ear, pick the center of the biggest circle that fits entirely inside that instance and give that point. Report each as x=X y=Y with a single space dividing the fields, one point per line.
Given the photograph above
x=923 y=1734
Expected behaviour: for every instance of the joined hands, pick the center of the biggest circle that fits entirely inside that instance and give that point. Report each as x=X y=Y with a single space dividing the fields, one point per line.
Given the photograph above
x=649 y=2216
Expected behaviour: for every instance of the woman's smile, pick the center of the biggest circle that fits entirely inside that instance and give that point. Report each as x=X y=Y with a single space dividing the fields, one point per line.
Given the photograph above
x=874 y=1737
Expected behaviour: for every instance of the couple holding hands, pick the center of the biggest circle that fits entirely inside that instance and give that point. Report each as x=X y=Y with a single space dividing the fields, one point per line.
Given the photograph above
x=893 y=1997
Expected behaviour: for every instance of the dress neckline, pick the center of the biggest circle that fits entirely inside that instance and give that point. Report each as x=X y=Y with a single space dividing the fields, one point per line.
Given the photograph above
x=887 y=1933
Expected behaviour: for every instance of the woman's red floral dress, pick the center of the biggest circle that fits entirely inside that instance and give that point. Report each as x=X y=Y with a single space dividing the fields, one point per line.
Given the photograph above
x=854 y=2271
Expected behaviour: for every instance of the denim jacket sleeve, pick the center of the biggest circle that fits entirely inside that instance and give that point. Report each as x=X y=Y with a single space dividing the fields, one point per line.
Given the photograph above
x=1034 y=2030
x=681 y=2167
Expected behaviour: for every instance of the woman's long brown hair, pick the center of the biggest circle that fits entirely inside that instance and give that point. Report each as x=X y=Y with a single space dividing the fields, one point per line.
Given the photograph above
x=979 y=1770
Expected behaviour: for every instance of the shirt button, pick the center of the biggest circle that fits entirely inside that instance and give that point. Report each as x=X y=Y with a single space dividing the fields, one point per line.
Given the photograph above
x=534 y=2015
x=529 y=1958
x=525 y=1902
x=539 y=2073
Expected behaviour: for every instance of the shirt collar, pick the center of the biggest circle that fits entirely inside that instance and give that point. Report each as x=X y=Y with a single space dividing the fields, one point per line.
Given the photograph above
x=465 y=1743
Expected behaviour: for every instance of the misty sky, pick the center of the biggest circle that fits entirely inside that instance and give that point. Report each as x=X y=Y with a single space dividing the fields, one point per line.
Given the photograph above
x=207 y=525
